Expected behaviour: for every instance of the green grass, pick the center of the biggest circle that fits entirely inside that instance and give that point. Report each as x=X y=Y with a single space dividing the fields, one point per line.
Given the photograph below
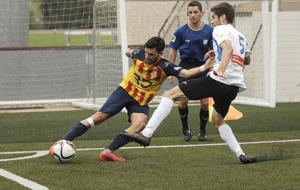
x=174 y=168
x=58 y=39
x=212 y=167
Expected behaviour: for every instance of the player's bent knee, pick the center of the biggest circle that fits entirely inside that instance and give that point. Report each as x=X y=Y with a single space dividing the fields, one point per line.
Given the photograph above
x=204 y=103
x=183 y=104
x=134 y=128
x=139 y=127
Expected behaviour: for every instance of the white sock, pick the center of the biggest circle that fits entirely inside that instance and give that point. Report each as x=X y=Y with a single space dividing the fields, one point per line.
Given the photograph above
x=228 y=136
x=161 y=112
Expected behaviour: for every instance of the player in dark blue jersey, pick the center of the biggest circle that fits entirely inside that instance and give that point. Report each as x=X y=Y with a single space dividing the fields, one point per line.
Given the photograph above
x=193 y=40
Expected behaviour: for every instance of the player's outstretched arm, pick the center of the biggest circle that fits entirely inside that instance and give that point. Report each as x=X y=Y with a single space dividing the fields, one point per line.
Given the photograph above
x=188 y=73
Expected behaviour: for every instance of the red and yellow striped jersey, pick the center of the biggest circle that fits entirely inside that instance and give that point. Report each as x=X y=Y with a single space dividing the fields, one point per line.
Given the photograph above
x=143 y=80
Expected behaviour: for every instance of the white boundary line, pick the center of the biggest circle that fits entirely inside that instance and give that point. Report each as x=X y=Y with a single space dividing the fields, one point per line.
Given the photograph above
x=195 y=145
x=40 y=153
x=25 y=182
x=35 y=186
x=36 y=155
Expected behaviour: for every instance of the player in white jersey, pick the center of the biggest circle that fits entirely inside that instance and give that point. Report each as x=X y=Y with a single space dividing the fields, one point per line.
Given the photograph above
x=233 y=75
x=222 y=84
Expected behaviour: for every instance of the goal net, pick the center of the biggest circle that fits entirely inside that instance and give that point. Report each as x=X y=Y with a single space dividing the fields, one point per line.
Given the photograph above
x=46 y=52
x=72 y=51
x=144 y=19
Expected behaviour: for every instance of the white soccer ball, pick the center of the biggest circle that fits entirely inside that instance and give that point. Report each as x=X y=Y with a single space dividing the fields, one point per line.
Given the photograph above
x=62 y=150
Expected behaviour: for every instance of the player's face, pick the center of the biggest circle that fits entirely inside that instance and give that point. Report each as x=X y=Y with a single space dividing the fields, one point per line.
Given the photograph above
x=151 y=55
x=215 y=20
x=194 y=14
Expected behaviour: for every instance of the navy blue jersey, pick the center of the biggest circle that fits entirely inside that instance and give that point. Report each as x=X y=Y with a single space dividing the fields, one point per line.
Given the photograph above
x=192 y=44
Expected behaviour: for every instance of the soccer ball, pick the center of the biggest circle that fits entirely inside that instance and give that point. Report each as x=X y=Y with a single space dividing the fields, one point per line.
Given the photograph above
x=62 y=150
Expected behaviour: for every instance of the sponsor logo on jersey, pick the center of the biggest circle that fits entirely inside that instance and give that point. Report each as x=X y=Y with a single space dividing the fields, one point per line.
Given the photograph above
x=177 y=68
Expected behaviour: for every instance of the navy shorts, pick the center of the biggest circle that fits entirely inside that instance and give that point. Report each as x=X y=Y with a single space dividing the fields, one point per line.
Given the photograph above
x=120 y=99
x=222 y=94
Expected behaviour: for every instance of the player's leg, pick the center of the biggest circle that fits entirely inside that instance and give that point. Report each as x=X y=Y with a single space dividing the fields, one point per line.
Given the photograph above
x=183 y=110
x=83 y=126
x=112 y=106
x=203 y=116
x=138 y=122
x=226 y=133
x=221 y=106
x=189 y=89
x=163 y=110
x=138 y=116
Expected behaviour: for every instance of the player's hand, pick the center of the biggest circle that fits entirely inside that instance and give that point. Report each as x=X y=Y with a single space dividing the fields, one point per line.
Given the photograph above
x=210 y=63
x=219 y=73
x=210 y=55
x=128 y=52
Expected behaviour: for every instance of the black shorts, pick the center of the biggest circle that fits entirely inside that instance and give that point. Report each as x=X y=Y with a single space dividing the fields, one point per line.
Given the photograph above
x=222 y=94
x=189 y=64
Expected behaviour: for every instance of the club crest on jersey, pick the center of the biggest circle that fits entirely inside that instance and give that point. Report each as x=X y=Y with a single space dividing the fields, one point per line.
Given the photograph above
x=205 y=42
x=187 y=41
x=154 y=73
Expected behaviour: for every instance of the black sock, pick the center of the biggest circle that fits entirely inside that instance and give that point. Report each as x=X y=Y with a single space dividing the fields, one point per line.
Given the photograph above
x=203 y=115
x=78 y=130
x=119 y=141
x=184 y=117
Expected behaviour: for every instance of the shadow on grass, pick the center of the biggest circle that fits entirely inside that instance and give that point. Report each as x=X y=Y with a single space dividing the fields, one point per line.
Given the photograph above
x=275 y=154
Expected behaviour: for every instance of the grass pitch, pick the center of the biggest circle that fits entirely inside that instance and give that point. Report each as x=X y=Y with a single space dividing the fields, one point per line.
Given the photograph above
x=202 y=167
x=59 y=39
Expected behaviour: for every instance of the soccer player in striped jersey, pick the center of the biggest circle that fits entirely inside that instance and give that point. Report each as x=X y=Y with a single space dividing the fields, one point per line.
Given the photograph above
x=223 y=82
x=193 y=40
x=142 y=82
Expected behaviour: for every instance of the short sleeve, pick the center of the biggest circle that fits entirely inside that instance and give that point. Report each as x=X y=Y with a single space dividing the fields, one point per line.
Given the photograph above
x=220 y=34
x=176 y=40
x=138 y=54
x=171 y=69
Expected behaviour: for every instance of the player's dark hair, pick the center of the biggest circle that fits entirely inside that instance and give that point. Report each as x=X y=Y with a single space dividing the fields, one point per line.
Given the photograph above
x=195 y=4
x=224 y=9
x=156 y=42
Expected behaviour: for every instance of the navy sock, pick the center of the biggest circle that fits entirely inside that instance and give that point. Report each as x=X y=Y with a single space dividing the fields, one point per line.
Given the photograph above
x=78 y=130
x=203 y=115
x=119 y=141
x=184 y=117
